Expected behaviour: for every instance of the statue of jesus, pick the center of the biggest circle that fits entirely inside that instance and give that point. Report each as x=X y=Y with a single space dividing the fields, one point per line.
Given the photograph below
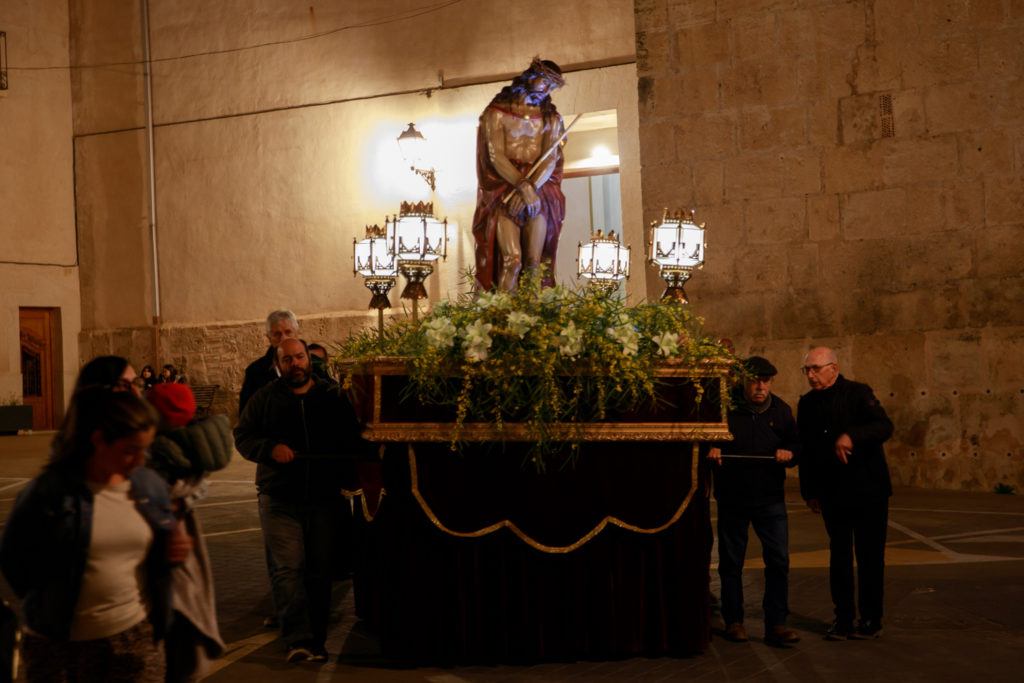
x=520 y=205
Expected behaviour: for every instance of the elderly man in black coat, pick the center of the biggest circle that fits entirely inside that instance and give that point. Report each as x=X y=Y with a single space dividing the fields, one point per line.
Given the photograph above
x=844 y=477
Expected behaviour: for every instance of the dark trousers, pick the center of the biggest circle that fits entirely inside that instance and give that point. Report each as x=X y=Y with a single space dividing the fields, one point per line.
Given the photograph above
x=299 y=538
x=771 y=526
x=856 y=530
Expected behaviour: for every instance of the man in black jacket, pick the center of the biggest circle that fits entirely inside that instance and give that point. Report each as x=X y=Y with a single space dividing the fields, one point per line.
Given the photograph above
x=303 y=433
x=844 y=477
x=281 y=325
x=749 y=476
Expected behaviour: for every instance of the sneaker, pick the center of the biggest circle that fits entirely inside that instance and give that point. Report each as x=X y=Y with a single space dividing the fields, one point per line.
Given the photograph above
x=736 y=633
x=298 y=653
x=780 y=636
x=318 y=653
x=867 y=629
x=839 y=630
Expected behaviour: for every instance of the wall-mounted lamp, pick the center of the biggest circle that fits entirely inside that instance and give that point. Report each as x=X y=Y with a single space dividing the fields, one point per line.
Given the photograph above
x=412 y=144
x=677 y=248
x=374 y=259
x=3 y=61
x=603 y=261
x=419 y=240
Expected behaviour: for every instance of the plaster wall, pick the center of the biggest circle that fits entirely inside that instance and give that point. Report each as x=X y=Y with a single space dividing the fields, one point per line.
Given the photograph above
x=859 y=165
x=274 y=145
x=38 y=259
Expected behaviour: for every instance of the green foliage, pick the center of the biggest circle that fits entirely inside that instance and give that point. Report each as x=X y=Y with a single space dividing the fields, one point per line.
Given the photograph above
x=1006 y=489
x=540 y=356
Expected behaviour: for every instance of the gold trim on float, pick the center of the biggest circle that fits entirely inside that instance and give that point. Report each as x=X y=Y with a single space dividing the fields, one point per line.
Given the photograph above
x=695 y=457
x=393 y=432
x=358 y=493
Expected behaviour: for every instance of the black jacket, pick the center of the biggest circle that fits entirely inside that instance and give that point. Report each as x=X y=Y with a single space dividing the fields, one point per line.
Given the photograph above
x=756 y=482
x=846 y=407
x=258 y=374
x=320 y=426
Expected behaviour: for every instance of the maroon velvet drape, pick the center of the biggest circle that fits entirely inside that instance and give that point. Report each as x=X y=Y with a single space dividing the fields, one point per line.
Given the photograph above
x=433 y=597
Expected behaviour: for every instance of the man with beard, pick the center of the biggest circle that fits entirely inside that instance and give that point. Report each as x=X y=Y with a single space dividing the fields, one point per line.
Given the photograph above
x=303 y=433
x=520 y=205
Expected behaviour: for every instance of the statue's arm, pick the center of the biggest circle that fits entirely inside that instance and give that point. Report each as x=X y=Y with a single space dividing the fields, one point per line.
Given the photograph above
x=551 y=135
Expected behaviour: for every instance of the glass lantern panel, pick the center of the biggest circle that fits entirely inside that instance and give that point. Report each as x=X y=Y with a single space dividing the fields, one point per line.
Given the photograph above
x=678 y=245
x=585 y=263
x=411 y=237
x=436 y=244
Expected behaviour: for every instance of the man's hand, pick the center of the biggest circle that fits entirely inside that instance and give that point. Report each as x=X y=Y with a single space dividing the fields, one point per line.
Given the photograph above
x=179 y=543
x=782 y=455
x=715 y=455
x=282 y=454
x=815 y=505
x=844 y=446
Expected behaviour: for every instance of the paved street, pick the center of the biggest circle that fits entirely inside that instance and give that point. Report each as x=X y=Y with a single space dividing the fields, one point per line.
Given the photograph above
x=954 y=599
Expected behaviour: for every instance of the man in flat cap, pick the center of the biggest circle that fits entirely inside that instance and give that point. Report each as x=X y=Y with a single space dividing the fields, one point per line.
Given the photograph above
x=749 y=476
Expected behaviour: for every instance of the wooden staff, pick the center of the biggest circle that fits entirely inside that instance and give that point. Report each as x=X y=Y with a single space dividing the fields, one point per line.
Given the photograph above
x=543 y=157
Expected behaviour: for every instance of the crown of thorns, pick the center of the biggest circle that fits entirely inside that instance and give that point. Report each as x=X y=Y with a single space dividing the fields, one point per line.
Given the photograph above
x=547 y=69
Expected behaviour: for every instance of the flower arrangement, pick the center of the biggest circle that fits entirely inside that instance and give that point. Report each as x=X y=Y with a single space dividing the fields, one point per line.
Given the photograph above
x=539 y=355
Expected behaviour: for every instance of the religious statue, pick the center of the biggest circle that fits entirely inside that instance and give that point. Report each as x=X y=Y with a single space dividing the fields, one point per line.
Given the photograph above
x=520 y=205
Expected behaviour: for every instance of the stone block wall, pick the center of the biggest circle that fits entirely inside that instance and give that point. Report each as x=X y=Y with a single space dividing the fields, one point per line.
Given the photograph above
x=859 y=165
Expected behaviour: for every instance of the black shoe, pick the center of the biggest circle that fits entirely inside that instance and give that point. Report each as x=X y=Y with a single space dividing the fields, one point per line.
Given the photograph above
x=839 y=630
x=868 y=629
x=318 y=653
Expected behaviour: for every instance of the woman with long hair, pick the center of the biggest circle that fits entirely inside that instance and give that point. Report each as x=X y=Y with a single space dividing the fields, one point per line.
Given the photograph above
x=148 y=377
x=88 y=547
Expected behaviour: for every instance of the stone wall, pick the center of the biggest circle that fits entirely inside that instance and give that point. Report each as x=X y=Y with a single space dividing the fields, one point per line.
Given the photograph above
x=859 y=165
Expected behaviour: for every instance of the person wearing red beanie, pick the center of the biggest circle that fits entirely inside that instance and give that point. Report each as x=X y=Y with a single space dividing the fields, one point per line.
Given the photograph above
x=174 y=402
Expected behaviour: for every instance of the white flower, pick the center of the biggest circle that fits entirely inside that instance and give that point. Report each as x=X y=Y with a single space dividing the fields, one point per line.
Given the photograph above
x=478 y=340
x=668 y=343
x=440 y=332
x=627 y=336
x=498 y=300
x=557 y=294
x=570 y=340
x=520 y=323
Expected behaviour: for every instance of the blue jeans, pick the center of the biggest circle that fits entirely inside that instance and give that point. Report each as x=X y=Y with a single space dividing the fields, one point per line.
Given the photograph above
x=299 y=538
x=771 y=526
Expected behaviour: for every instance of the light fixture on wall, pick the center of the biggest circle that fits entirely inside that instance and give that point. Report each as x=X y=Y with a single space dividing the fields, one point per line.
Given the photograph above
x=419 y=240
x=677 y=248
x=603 y=261
x=413 y=145
x=374 y=259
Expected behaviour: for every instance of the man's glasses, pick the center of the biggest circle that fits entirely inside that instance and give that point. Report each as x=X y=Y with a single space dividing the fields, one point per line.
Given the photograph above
x=808 y=369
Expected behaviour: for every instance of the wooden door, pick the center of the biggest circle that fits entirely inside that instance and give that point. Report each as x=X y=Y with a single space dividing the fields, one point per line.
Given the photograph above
x=39 y=341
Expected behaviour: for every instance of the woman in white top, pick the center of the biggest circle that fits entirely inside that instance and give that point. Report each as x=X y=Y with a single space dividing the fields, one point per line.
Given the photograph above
x=88 y=547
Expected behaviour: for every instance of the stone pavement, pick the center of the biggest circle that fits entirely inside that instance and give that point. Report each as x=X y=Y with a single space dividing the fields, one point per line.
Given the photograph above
x=954 y=600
